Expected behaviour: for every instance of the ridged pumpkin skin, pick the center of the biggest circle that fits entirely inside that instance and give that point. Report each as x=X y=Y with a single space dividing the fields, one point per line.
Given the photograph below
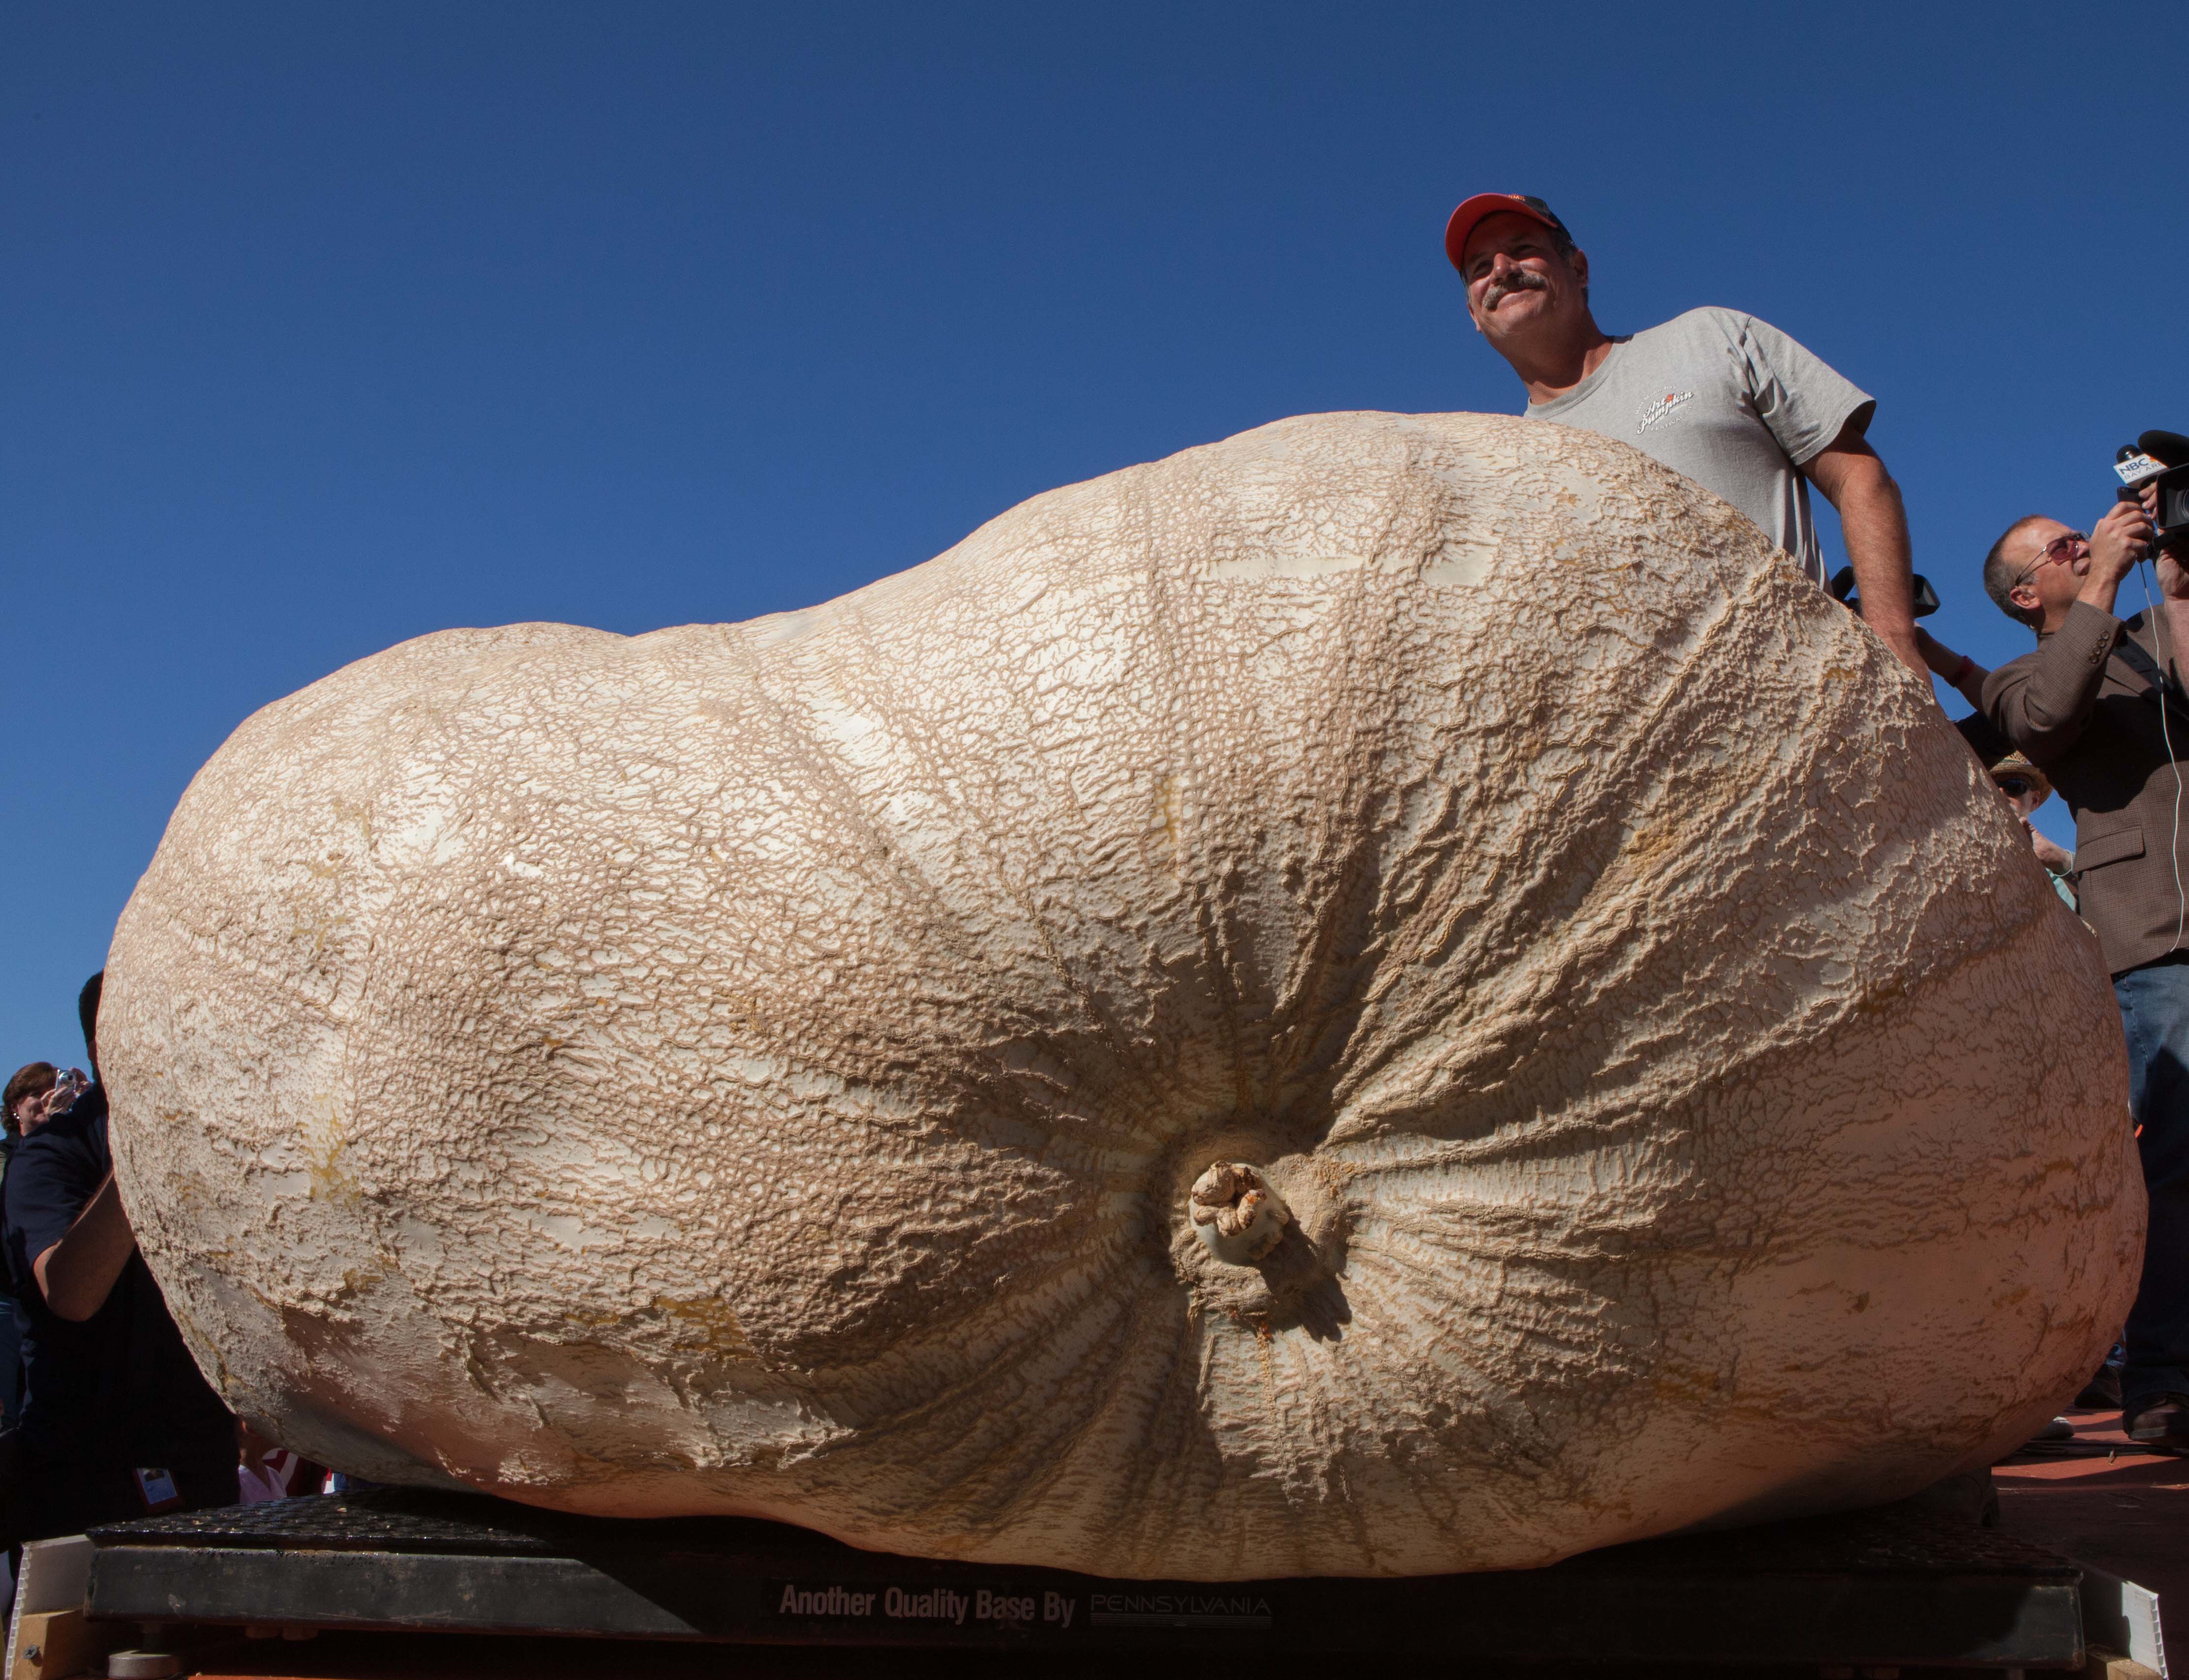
x=760 y=1068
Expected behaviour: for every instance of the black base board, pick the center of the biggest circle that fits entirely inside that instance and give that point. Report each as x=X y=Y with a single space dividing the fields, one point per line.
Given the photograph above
x=1904 y=1585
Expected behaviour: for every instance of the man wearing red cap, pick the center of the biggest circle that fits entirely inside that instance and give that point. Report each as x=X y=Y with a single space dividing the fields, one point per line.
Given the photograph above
x=1725 y=399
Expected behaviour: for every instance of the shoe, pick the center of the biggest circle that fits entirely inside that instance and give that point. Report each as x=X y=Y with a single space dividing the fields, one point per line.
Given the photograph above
x=2161 y=1422
x=2059 y=1430
x=2103 y=1392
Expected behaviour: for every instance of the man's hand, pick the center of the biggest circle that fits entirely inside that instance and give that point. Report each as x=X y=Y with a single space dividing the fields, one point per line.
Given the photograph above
x=77 y=1274
x=2119 y=540
x=1875 y=523
x=2173 y=579
x=2049 y=852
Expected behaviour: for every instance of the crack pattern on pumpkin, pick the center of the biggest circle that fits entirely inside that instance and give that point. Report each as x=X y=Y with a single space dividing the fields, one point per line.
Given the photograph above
x=763 y=1069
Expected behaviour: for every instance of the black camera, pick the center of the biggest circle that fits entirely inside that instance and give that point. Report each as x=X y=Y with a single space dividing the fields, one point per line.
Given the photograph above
x=1841 y=589
x=2160 y=459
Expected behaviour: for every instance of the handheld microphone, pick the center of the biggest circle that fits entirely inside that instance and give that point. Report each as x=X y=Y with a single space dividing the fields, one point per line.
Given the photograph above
x=2159 y=458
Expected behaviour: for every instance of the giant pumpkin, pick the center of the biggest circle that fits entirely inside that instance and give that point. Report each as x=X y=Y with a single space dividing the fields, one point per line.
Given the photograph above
x=826 y=1068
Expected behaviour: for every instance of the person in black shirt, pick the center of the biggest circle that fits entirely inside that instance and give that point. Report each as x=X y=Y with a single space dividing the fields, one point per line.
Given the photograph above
x=117 y=1421
x=25 y=1100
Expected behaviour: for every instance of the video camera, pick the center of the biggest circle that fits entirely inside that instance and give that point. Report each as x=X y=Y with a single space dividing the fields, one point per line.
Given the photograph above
x=2161 y=459
x=1842 y=590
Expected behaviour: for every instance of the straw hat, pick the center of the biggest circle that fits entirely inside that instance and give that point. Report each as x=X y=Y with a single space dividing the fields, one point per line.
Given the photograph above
x=2003 y=761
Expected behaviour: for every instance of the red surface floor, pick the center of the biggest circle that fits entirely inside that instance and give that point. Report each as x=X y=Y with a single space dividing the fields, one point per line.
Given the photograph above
x=2126 y=1510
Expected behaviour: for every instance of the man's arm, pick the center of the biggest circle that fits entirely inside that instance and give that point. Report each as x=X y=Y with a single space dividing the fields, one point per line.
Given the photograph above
x=2041 y=704
x=1958 y=671
x=2173 y=587
x=1874 y=521
x=77 y=1274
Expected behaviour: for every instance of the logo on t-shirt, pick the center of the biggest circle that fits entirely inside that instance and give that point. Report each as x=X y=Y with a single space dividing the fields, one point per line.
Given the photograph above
x=1658 y=409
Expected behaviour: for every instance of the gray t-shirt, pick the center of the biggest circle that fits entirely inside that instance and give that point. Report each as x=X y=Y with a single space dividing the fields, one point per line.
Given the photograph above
x=1730 y=401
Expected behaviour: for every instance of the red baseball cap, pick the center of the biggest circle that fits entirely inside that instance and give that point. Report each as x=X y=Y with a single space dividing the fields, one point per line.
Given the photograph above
x=1464 y=219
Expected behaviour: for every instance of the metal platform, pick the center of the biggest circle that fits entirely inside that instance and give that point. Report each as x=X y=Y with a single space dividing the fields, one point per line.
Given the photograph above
x=1898 y=1587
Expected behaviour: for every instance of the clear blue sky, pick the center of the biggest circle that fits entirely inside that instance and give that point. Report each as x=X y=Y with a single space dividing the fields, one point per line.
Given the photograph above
x=325 y=327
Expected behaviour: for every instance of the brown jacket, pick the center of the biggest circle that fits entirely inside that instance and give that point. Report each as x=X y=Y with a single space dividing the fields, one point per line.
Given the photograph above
x=2092 y=721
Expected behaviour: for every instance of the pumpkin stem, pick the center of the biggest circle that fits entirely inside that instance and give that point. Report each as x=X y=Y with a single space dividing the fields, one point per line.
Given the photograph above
x=1238 y=1218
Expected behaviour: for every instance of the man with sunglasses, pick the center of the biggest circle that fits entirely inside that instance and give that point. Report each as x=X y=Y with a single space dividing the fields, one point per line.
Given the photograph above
x=2099 y=708
x=1718 y=395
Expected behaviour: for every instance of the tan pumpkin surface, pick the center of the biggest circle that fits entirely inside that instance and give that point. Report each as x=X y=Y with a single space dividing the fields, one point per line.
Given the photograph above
x=760 y=1068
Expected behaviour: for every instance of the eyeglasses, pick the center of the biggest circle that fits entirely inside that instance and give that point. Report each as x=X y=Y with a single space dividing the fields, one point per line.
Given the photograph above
x=2059 y=548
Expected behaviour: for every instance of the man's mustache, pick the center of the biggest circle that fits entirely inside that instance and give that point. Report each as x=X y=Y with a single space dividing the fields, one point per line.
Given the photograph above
x=1516 y=279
